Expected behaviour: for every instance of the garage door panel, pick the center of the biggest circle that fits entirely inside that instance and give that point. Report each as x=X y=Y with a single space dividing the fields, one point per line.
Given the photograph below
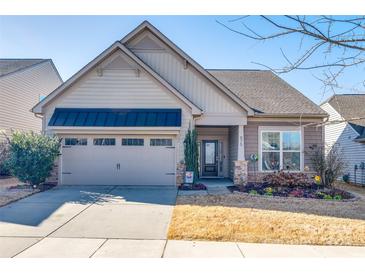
x=118 y=165
x=88 y=166
x=152 y=166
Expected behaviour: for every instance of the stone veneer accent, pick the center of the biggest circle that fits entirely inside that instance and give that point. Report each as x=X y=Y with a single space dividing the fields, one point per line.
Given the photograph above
x=240 y=172
x=180 y=173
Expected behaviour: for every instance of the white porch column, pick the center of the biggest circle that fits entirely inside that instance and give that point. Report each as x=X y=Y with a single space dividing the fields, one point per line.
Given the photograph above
x=241 y=144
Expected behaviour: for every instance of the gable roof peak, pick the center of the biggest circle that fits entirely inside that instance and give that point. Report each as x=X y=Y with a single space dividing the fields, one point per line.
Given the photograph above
x=145 y=24
x=96 y=61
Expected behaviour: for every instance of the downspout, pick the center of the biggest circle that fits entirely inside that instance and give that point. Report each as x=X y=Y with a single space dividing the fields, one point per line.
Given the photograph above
x=41 y=117
x=196 y=118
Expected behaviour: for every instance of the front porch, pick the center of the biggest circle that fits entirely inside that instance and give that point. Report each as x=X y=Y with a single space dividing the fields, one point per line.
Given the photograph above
x=221 y=154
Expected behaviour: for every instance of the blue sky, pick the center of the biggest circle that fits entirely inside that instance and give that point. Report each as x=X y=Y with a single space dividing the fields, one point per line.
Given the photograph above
x=73 y=41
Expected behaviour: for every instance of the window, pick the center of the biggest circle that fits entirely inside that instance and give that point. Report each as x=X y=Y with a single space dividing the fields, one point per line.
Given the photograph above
x=75 y=142
x=104 y=142
x=132 y=142
x=281 y=149
x=161 y=142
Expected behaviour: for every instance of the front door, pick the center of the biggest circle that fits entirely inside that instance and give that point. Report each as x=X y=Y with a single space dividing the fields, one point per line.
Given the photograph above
x=209 y=159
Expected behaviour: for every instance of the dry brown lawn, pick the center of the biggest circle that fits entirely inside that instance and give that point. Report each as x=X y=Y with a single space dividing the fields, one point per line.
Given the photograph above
x=258 y=219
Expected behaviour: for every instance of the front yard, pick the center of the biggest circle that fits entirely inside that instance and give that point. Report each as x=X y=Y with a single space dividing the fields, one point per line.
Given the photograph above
x=260 y=219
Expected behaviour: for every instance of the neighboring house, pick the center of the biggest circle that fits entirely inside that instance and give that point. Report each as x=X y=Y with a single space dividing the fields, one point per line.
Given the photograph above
x=124 y=116
x=23 y=82
x=347 y=131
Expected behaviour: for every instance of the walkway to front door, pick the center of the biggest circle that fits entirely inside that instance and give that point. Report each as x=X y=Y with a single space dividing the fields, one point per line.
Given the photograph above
x=210 y=158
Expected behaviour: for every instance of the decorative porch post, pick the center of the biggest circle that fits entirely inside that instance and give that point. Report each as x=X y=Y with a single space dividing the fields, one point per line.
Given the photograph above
x=240 y=165
x=241 y=147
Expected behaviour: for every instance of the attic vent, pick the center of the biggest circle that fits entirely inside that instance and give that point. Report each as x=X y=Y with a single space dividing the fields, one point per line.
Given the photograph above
x=99 y=72
x=185 y=64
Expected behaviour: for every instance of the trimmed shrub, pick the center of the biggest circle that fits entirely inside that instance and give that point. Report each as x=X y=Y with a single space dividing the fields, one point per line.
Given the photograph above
x=31 y=156
x=4 y=156
x=288 y=179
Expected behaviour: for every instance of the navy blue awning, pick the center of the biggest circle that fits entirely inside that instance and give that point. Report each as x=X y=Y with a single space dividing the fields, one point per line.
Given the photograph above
x=110 y=117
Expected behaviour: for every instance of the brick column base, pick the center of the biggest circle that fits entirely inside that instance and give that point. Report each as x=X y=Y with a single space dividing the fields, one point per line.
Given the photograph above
x=240 y=172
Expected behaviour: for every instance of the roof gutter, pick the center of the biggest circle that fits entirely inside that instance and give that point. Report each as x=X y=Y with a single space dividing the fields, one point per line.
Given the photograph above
x=291 y=115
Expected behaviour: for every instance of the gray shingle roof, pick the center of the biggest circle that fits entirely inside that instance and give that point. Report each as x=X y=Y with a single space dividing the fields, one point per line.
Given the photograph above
x=266 y=93
x=350 y=106
x=11 y=65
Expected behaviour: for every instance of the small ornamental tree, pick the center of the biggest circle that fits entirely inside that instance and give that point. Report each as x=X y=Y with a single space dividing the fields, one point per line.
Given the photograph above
x=31 y=156
x=191 y=152
x=330 y=165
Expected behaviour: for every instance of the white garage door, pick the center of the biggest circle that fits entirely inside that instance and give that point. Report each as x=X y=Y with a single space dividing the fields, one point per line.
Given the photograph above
x=118 y=160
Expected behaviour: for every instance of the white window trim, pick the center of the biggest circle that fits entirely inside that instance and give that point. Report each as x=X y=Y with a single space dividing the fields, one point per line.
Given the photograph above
x=281 y=129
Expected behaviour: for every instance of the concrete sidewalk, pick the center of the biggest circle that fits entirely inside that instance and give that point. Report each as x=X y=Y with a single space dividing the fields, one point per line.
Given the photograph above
x=201 y=249
x=133 y=248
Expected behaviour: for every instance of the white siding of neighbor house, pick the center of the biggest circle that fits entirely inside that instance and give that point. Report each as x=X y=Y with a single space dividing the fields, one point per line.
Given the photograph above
x=343 y=135
x=120 y=88
x=20 y=91
x=333 y=131
x=185 y=78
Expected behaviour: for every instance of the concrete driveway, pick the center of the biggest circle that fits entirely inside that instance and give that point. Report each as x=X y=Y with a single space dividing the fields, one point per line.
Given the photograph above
x=85 y=221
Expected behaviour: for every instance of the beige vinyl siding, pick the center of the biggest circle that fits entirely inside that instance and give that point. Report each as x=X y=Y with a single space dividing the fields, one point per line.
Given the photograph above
x=233 y=148
x=312 y=135
x=114 y=88
x=343 y=135
x=189 y=82
x=186 y=79
x=20 y=91
x=122 y=88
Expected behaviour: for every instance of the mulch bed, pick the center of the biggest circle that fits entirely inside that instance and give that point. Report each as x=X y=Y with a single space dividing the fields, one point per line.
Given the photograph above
x=312 y=192
x=197 y=186
x=12 y=190
x=41 y=187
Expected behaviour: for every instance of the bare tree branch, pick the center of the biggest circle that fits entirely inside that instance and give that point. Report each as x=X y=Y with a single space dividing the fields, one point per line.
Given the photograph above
x=339 y=40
